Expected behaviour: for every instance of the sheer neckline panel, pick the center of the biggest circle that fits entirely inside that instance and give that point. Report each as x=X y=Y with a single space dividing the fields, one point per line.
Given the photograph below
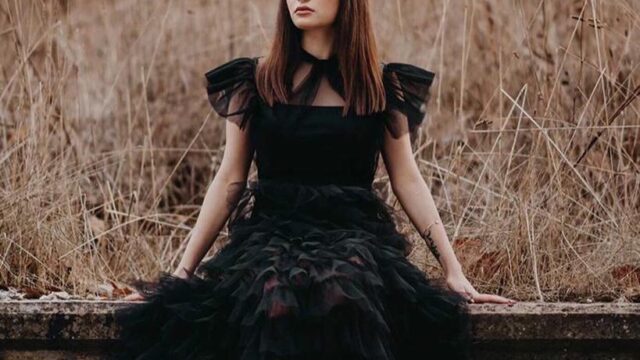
x=315 y=82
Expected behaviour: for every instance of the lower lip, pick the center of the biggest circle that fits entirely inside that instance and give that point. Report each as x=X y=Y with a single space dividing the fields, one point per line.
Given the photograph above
x=304 y=12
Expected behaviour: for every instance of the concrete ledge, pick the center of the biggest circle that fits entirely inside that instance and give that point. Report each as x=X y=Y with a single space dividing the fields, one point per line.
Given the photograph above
x=78 y=329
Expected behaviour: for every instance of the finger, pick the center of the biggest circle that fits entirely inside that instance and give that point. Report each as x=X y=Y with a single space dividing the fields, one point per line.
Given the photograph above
x=493 y=299
x=505 y=300
x=133 y=297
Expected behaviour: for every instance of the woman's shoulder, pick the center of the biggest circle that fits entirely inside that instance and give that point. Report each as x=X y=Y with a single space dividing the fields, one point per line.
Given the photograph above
x=404 y=71
x=242 y=67
x=231 y=88
x=407 y=90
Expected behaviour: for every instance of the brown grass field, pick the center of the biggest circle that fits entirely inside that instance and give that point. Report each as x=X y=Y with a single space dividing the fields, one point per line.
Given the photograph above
x=530 y=148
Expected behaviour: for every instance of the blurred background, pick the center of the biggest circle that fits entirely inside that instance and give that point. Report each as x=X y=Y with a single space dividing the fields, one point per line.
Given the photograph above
x=530 y=146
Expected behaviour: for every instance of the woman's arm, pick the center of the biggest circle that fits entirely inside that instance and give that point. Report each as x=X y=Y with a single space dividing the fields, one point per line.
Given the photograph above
x=221 y=197
x=416 y=200
x=414 y=196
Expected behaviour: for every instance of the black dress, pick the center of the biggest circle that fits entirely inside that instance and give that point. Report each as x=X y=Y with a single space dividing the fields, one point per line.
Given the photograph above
x=315 y=268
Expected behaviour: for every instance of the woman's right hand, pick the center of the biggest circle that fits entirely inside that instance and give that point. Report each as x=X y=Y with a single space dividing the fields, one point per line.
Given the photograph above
x=180 y=272
x=135 y=296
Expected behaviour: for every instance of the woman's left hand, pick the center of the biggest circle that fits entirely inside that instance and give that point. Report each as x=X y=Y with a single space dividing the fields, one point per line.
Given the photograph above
x=458 y=282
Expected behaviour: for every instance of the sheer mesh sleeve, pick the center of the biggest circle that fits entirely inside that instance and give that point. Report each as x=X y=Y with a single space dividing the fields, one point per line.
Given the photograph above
x=407 y=94
x=232 y=91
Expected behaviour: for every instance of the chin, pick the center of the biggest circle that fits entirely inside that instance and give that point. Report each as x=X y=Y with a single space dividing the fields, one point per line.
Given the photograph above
x=307 y=24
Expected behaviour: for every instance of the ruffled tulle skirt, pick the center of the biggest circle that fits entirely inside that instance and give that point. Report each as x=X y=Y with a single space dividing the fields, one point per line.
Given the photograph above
x=309 y=272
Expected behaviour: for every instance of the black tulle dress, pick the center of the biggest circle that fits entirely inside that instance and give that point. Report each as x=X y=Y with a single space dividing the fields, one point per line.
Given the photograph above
x=314 y=267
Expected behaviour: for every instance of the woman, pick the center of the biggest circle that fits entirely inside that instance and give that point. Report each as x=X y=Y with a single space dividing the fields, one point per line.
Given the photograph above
x=314 y=268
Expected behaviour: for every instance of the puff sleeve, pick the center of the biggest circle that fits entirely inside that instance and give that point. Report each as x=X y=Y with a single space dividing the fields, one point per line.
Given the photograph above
x=231 y=90
x=407 y=91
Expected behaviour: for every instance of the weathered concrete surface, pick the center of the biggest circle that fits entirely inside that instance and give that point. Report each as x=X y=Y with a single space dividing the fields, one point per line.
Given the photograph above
x=77 y=329
x=557 y=331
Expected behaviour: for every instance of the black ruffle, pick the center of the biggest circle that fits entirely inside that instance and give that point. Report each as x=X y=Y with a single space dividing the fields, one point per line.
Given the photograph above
x=293 y=285
x=232 y=91
x=407 y=89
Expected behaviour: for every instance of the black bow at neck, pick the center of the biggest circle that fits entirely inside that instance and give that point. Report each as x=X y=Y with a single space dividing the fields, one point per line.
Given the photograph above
x=329 y=67
x=309 y=57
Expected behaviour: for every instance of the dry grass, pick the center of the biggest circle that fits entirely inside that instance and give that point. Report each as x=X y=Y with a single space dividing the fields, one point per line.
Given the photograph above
x=531 y=149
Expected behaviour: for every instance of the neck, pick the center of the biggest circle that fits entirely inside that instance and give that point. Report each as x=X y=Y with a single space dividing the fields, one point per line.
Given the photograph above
x=318 y=42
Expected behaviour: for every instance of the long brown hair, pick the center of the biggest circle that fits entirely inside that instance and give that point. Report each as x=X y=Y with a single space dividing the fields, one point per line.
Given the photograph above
x=356 y=50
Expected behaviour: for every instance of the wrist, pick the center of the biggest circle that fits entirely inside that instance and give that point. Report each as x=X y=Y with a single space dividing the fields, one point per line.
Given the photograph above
x=451 y=270
x=183 y=272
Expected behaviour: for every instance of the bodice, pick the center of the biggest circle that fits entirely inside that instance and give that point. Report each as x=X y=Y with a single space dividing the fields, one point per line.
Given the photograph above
x=303 y=142
x=315 y=145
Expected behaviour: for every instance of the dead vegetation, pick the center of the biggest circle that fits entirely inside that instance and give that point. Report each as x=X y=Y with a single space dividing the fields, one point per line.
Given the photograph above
x=107 y=142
